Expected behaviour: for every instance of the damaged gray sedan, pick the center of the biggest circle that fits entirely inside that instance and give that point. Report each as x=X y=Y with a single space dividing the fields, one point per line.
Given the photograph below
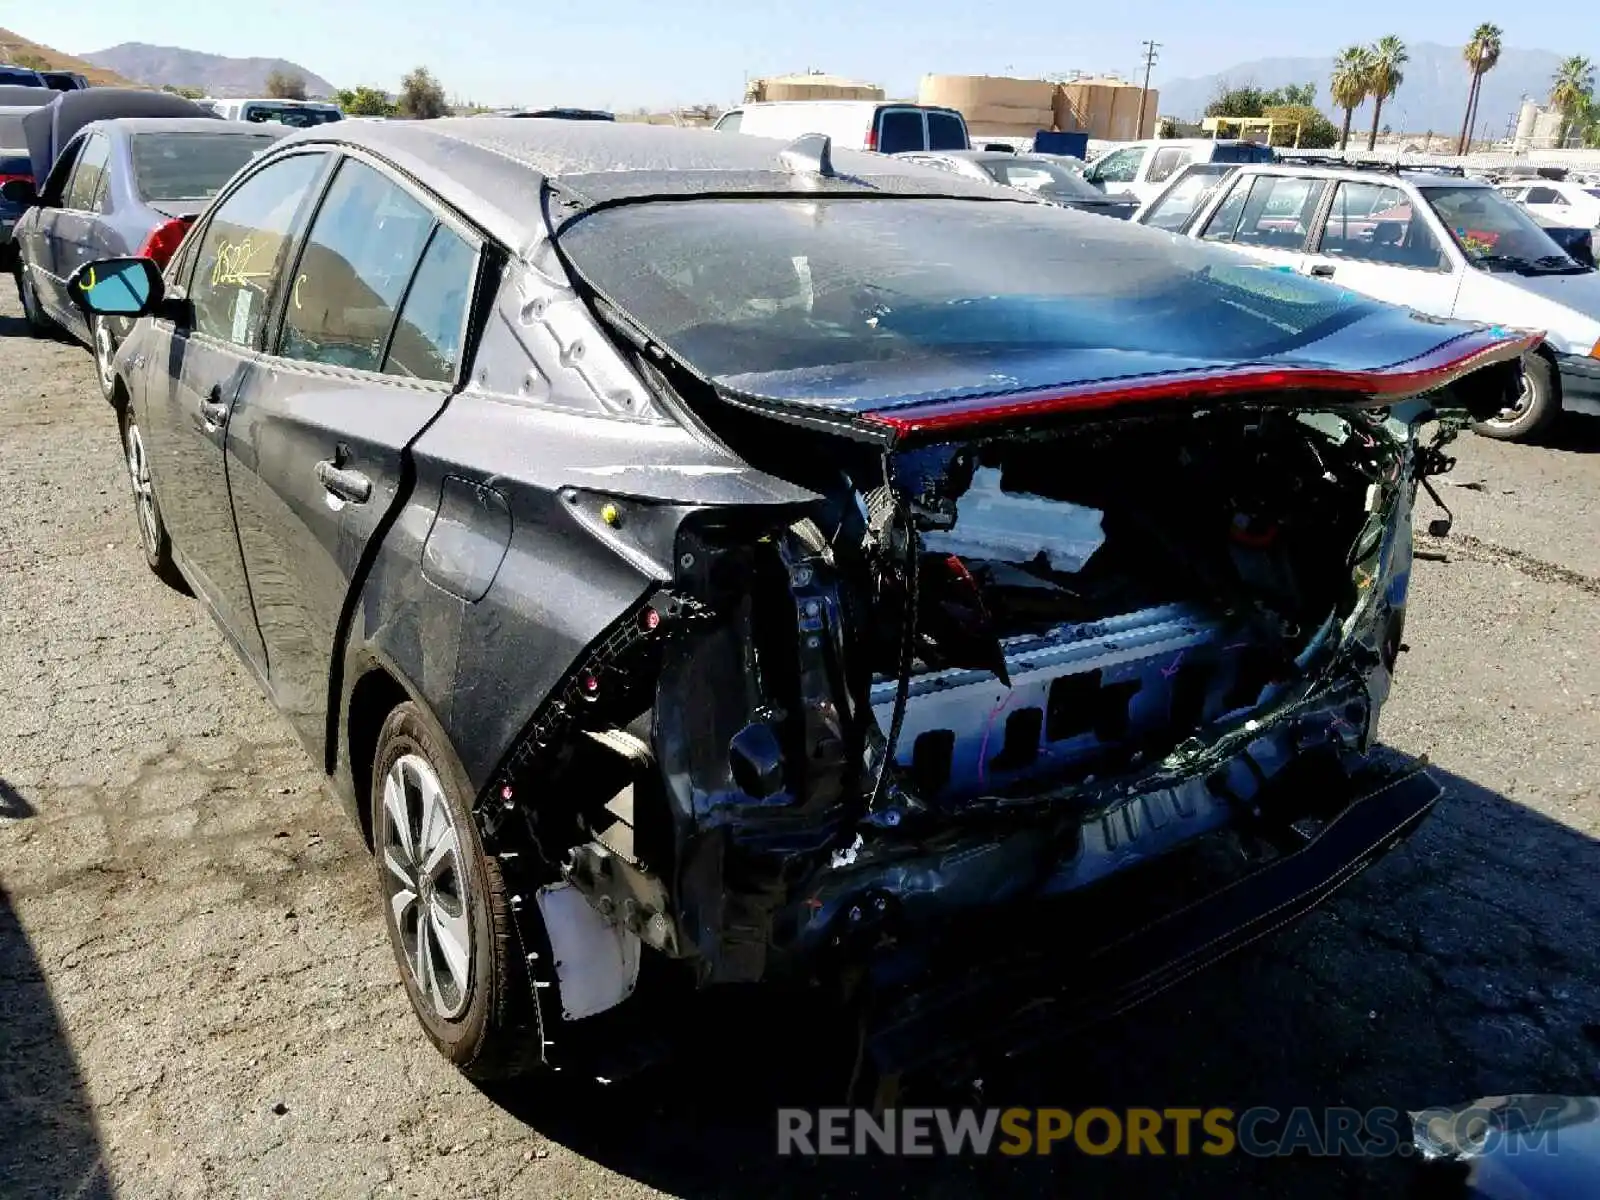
x=698 y=561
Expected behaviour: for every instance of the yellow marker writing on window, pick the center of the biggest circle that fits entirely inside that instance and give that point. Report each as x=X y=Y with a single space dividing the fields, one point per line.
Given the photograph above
x=297 y=284
x=88 y=281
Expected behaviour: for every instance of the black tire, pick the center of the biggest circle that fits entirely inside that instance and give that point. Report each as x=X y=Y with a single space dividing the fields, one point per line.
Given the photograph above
x=1537 y=408
x=103 y=345
x=495 y=1033
x=154 y=539
x=39 y=325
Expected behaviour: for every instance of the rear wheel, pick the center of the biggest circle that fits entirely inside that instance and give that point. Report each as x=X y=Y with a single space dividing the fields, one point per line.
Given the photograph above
x=39 y=325
x=445 y=905
x=1535 y=407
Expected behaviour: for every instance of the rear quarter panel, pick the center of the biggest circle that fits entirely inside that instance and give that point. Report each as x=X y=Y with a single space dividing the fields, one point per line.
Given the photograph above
x=482 y=633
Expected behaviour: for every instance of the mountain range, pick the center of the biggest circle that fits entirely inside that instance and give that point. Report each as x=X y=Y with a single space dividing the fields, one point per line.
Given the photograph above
x=214 y=74
x=1433 y=96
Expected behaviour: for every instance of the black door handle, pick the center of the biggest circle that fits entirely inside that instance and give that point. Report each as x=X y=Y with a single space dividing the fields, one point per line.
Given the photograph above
x=343 y=482
x=1322 y=271
x=212 y=410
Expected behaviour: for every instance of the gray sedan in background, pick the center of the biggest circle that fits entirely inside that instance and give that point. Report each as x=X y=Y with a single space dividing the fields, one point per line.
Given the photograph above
x=129 y=186
x=1045 y=177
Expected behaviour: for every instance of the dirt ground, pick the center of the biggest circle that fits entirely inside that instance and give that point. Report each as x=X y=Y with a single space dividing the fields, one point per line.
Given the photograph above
x=197 y=998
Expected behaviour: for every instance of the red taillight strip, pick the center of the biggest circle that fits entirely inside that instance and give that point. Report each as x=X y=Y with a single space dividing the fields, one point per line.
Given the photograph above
x=1440 y=366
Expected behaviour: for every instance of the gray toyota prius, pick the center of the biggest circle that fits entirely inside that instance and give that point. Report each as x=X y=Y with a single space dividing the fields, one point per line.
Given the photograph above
x=701 y=561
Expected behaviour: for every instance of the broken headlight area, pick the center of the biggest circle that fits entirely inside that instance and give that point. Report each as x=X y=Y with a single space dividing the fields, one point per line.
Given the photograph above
x=984 y=673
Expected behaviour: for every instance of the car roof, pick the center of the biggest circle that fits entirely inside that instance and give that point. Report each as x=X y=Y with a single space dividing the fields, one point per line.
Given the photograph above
x=132 y=125
x=493 y=170
x=1419 y=177
x=271 y=100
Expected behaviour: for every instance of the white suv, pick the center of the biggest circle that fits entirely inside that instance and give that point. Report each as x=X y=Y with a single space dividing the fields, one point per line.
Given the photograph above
x=1142 y=169
x=1443 y=245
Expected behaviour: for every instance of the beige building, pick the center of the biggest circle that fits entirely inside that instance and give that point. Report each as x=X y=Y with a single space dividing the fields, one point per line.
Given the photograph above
x=997 y=106
x=1106 y=109
x=813 y=85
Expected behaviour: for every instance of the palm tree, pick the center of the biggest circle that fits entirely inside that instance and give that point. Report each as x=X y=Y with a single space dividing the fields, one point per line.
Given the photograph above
x=1388 y=56
x=1482 y=54
x=1570 y=91
x=1352 y=72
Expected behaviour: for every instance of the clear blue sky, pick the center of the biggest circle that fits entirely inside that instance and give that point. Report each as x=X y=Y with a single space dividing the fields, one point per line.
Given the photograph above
x=622 y=53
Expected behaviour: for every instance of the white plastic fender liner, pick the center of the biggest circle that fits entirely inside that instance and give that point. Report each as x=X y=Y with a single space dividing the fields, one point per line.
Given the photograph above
x=597 y=963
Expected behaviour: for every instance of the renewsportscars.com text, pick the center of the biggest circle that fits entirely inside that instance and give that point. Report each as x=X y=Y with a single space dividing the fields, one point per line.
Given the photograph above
x=1261 y=1131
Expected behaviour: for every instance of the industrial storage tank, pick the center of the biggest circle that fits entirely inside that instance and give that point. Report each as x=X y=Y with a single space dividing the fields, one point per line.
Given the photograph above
x=810 y=86
x=1106 y=109
x=993 y=105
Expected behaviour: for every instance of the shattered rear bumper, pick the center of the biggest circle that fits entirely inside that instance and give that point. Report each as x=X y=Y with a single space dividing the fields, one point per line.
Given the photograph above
x=1020 y=997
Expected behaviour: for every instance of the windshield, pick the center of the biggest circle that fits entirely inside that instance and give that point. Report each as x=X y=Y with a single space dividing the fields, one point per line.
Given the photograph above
x=1495 y=233
x=1595 y=192
x=191 y=166
x=291 y=114
x=1037 y=174
x=848 y=300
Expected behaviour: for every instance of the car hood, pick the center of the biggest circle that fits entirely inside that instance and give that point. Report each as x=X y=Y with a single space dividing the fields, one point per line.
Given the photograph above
x=1565 y=307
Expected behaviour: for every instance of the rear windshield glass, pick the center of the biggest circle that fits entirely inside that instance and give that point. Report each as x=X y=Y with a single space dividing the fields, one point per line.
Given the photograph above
x=1041 y=175
x=191 y=166
x=970 y=294
x=1241 y=154
x=946 y=132
x=290 y=114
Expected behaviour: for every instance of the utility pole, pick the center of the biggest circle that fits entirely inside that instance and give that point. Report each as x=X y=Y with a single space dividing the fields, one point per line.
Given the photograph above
x=1150 y=49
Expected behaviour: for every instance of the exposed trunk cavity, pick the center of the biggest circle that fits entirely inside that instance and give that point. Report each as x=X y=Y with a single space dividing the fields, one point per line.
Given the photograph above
x=1153 y=614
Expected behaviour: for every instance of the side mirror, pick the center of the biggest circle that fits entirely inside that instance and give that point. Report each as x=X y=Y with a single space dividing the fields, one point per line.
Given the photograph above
x=117 y=287
x=20 y=191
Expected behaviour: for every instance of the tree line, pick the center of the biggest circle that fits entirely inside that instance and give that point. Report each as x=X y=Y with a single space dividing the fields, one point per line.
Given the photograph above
x=1375 y=71
x=421 y=96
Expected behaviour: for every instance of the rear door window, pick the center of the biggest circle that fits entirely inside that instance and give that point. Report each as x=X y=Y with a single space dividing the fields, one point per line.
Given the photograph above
x=1369 y=222
x=900 y=129
x=88 y=176
x=363 y=247
x=1544 y=195
x=1279 y=212
x=946 y=132
x=427 y=339
x=244 y=250
x=730 y=122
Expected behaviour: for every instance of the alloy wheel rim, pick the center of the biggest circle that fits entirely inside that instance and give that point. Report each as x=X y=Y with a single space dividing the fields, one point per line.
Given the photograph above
x=143 y=491
x=104 y=353
x=1515 y=412
x=426 y=884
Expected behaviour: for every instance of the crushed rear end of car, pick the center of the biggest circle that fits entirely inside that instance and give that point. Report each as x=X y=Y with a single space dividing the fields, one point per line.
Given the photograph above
x=1066 y=680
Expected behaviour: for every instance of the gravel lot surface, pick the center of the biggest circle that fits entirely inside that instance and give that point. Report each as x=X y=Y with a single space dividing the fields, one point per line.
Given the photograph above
x=197 y=998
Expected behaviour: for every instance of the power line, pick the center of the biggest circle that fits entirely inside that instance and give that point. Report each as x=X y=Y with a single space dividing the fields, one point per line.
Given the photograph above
x=1150 y=49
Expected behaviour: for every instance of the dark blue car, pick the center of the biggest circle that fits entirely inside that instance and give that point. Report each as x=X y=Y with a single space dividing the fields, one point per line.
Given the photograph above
x=121 y=187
